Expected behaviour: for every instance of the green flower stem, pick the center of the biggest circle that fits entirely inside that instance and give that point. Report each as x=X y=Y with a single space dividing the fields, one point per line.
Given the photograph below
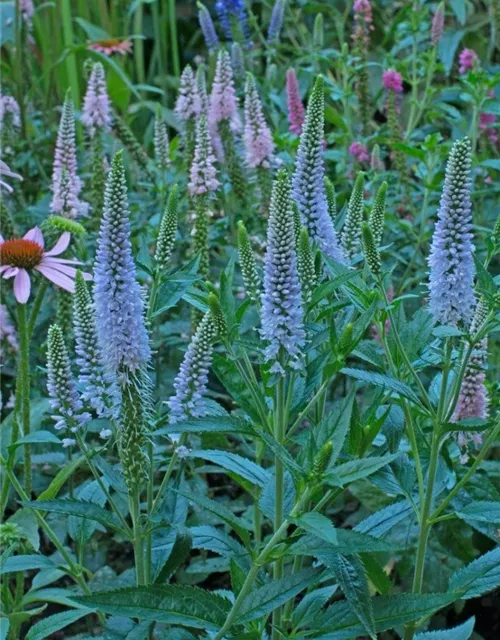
x=413 y=123
x=37 y=304
x=135 y=514
x=24 y=382
x=279 y=477
x=139 y=44
x=470 y=472
x=97 y=476
x=310 y=405
x=150 y=499
x=173 y=38
x=259 y=562
x=20 y=49
x=166 y=477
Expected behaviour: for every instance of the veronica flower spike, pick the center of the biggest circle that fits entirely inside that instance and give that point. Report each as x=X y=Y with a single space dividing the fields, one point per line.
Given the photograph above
x=96 y=115
x=20 y=256
x=451 y=261
x=308 y=180
x=282 y=312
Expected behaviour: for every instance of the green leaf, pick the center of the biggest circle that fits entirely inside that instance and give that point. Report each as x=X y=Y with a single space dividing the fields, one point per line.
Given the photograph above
x=382 y=381
x=478 y=577
x=235 y=463
x=221 y=511
x=77 y=508
x=36 y=438
x=384 y=520
x=491 y=164
x=262 y=601
x=335 y=426
x=209 y=424
x=448 y=46
x=179 y=552
x=462 y=632
x=27 y=523
x=26 y=563
x=81 y=529
x=357 y=469
x=348 y=542
x=306 y=611
x=172 y=604
x=4 y=628
x=282 y=453
x=459 y=10
x=351 y=576
x=318 y=525
x=62 y=476
x=54 y=623
x=216 y=540
x=161 y=549
x=340 y=623
x=482 y=511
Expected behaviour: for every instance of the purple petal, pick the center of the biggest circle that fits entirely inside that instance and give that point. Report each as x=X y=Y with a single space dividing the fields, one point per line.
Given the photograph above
x=35 y=235
x=61 y=245
x=57 y=277
x=22 y=286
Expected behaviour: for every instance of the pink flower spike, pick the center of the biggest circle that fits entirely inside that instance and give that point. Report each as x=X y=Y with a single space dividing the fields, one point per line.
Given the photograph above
x=359 y=151
x=19 y=256
x=296 y=111
x=467 y=60
x=392 y=80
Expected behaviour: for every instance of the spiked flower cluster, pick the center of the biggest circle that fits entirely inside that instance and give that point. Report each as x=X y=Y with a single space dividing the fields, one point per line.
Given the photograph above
x=161 y=142
x=351 y=232
x=9 y=107
x=201 y=88
x=361 y=41
x=377 y=214
x=296 y=111
x=62 y=391
x=187 y=105
x=451 y=262
x=259 y=145
x=248 y=265
x=282 y=313
x=467 y=60
x=372 y=255
x=276 y=22
x=119 y=305
x=203 y=172
x=331 y=198
x=98 y=389
x=308 y=184
x=66 y=184
x=223 y=104
x=96 y=115
x=191 y=382
x=207 y=27
x=437 y=26
x=236 y=8
x=305 y=266
x=237 y=60
x=168 y=229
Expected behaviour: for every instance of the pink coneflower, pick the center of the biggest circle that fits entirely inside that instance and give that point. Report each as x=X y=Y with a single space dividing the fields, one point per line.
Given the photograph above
x=19 y=256
x=296 y=112
x=359 y=151
x=392 y=80
x=5 y=171
x=467 y=60
x=111 y=46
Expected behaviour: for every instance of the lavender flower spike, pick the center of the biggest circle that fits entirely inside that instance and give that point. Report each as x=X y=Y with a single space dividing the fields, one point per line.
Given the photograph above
x=191 y=381
x=207 y=27
x=223 y=104
x=187 y=105
x=96 y=113
x=203 y=172
x=451 y=281
x=282 y=313
x=308 y=185
x=65 y=190
x=276 y=22
x=259 y=145
x=119 y=305
x=62 y=391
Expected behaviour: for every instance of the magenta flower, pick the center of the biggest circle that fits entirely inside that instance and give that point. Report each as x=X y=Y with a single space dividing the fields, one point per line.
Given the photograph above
x=392 y=80
x=96 y=113
x=359 y=152
x=19 y=256
x=296 y=112
x=5 y=171
x=485 y=122
x=467 y=60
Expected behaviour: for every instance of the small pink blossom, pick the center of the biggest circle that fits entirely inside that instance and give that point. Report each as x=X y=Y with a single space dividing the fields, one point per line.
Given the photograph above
x=188 y=103
x=9 y=105
x=296 y=111
x=111 y=46
x=392 y=80
x=359 y=151
x=467 y=60
x=223 y=102
x=485 y=122
x=19 y=256
x=203 y=173
x=259 y=145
